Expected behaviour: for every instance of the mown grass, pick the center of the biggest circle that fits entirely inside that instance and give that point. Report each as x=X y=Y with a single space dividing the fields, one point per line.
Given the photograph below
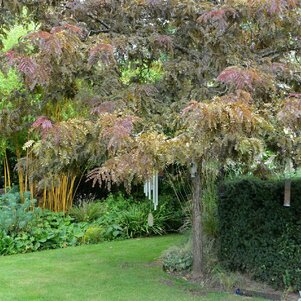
x=121 y=270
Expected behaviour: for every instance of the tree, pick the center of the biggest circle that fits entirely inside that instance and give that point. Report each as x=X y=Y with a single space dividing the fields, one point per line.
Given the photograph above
x=214 y=131
x=237 y=58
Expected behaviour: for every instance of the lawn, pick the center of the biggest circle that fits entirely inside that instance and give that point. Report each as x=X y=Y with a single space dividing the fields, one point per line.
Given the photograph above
x=122 y=270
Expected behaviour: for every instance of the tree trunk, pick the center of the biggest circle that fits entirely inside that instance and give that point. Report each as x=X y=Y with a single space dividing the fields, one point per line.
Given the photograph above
x=197 y=229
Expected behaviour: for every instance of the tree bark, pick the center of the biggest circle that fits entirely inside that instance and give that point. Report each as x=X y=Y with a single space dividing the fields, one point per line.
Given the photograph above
x=197 y=229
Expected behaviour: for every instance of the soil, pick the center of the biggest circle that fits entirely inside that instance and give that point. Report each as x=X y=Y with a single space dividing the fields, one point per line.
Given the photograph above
x=243 y=285
x=266 y=291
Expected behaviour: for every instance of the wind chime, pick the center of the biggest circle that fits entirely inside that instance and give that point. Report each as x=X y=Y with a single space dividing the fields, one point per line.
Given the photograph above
x=151 y=192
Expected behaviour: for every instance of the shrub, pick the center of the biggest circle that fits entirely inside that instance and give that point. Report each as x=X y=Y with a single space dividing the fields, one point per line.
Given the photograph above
x=113 y=231
x=7 y=244
x=55 y=230
x=129 y=218
x=135 y=220
x=87 y=211
x=16 y=216
x=94 y=234
x=177 y=259
x=26 y=228
x=224 y=279
x=258 y=234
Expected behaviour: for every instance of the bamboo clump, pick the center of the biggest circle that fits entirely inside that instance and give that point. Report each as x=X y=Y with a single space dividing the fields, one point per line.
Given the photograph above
x=59 y=197
x=56 y=196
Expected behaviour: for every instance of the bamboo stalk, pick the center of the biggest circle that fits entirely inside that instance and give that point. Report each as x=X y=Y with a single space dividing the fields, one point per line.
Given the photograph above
x=53 y=195
x=64 y=192
x=71 y=194
x=26 y=171
x=59 y=197
x=21 y=185
x=20 y=176
x=5 y=176
x=44 y=196
x=31 y=189
x=7 y=171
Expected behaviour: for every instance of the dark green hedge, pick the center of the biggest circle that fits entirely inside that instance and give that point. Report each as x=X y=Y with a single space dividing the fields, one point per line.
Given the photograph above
x=257 y=234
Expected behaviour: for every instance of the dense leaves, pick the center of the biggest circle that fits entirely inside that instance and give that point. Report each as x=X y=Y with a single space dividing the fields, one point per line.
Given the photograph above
x=260 y=235
x=205 y=51
x=26 y=228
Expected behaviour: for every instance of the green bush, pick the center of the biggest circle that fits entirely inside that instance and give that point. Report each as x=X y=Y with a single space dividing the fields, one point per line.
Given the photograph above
x=50 y=231
x=177 y=259
x=16 y=216
x=135 y=224
x=94 y=234
x=257 y=234
x=26 y=228
x=56 y=230
x=87 y=211
x=127 y=218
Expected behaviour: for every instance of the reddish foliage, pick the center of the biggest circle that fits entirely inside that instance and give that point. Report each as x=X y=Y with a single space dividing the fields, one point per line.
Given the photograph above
x=11 y=56
x=163 y=41
x=238 y=96
x=120 y=130
x=103 y=52
x=242 y=78
x=60 y=38
x=276 y=67
x=105 y=107
x=290 y=114
x=295 y=95
x=43 y=124
x=40 y=35
x=275 y=7
x=72 y=28
x=33 y=72
x=27 y=66
x=47 y=42
x=218 y=16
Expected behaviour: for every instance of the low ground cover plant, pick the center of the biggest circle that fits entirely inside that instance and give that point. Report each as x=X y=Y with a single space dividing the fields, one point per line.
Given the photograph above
x=25 y=228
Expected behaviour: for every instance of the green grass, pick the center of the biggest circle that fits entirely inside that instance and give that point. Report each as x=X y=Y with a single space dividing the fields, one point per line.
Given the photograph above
x=122 y=270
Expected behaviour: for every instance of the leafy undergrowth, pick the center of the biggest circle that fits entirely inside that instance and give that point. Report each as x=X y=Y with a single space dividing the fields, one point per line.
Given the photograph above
x=120 y=270
x=26 y=228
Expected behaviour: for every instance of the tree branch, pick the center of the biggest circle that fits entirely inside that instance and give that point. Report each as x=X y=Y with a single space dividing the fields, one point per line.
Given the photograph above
x=274 y=53
x=93 y=17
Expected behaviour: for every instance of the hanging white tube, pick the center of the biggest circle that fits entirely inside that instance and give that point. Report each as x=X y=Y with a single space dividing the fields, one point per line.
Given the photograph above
x=151 y=189
x=157 y=189
x=154 y=192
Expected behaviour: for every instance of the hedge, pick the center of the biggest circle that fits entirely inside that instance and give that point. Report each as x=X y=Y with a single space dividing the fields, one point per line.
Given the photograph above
x=257 y=234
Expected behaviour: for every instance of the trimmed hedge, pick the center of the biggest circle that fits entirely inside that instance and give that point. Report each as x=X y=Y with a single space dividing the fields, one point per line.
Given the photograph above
x=257 y=234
